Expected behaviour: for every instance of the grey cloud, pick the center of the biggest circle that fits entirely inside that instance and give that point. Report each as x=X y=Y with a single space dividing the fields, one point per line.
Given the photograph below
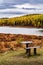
x=24 y=1
x=6 y=6
x=30 y=8
x=9 y=3
x=12 y=13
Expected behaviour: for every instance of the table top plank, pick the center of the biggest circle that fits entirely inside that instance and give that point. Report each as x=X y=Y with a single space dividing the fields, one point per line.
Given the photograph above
x=26 y=42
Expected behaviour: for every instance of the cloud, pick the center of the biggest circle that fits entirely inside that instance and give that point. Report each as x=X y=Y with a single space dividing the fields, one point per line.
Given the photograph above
x=28 y=5
x=9 y=8
x=24 y=1
x=13 y=12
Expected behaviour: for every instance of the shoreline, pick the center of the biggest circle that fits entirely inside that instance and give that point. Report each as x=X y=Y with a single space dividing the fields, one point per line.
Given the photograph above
x=22 y=26
x=13 y=37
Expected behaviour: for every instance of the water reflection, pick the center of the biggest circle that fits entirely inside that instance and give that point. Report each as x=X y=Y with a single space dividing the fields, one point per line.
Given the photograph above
x=17 y=30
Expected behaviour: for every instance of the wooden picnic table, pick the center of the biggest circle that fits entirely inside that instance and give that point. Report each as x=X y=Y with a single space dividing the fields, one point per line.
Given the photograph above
x=27 y=43
x=28 y=49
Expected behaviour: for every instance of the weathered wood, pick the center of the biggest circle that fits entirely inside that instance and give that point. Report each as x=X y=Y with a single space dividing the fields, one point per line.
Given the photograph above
x=35 y=51
x=29 y=50
x=26 y=47
x=33 y=47
x=27 y=43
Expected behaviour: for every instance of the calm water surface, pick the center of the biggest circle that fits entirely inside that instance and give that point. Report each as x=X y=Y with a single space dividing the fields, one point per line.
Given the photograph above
x=17 y=30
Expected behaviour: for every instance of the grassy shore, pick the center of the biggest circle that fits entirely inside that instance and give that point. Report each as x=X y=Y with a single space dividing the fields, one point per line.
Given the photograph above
x=12 y=41
x=13 y=53
x=19 y=57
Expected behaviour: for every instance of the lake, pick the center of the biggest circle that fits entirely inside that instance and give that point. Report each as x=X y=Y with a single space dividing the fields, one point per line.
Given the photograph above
x=18 y=30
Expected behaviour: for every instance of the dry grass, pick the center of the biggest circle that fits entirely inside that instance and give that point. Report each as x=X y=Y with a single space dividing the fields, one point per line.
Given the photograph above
x=13 y=45
x=19 y=57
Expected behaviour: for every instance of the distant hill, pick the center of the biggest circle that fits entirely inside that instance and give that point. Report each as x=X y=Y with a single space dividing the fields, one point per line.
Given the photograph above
x=31 y=20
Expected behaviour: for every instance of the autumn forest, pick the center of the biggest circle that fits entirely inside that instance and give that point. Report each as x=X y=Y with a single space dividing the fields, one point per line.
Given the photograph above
x=32 y=20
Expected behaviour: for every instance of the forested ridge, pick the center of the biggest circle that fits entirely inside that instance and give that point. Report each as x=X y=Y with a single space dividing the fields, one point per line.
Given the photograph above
x=32 y=20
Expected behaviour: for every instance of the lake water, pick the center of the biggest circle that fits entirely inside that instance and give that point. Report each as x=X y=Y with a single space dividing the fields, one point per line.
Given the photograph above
x=17 y=30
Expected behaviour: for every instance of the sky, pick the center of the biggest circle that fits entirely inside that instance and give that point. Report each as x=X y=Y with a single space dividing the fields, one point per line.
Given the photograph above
x=15 y=8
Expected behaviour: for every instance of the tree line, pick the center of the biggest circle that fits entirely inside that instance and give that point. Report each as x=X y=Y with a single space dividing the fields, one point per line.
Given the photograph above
x=32 y=20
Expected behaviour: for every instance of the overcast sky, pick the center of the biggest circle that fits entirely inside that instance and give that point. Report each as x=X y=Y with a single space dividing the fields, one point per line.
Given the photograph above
x=13 y=8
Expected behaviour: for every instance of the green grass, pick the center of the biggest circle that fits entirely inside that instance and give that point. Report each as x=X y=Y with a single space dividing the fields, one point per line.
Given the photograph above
x=19 y=57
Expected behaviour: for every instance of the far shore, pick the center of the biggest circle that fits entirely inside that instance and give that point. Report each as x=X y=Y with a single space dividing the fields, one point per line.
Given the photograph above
x=21 y=26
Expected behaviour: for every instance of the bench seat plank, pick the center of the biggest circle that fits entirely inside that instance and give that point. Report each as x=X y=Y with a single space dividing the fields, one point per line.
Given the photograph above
x=33 y=47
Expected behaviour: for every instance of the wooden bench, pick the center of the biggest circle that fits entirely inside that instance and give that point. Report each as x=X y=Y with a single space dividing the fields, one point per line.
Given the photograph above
x=29 y=50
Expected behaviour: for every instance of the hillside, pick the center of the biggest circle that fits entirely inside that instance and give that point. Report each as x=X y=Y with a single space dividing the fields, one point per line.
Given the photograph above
x=32 y=20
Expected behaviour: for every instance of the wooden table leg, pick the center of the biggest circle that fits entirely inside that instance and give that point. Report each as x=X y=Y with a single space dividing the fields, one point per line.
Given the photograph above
x=35 y=51
x=29 y=51
x=26 y=49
